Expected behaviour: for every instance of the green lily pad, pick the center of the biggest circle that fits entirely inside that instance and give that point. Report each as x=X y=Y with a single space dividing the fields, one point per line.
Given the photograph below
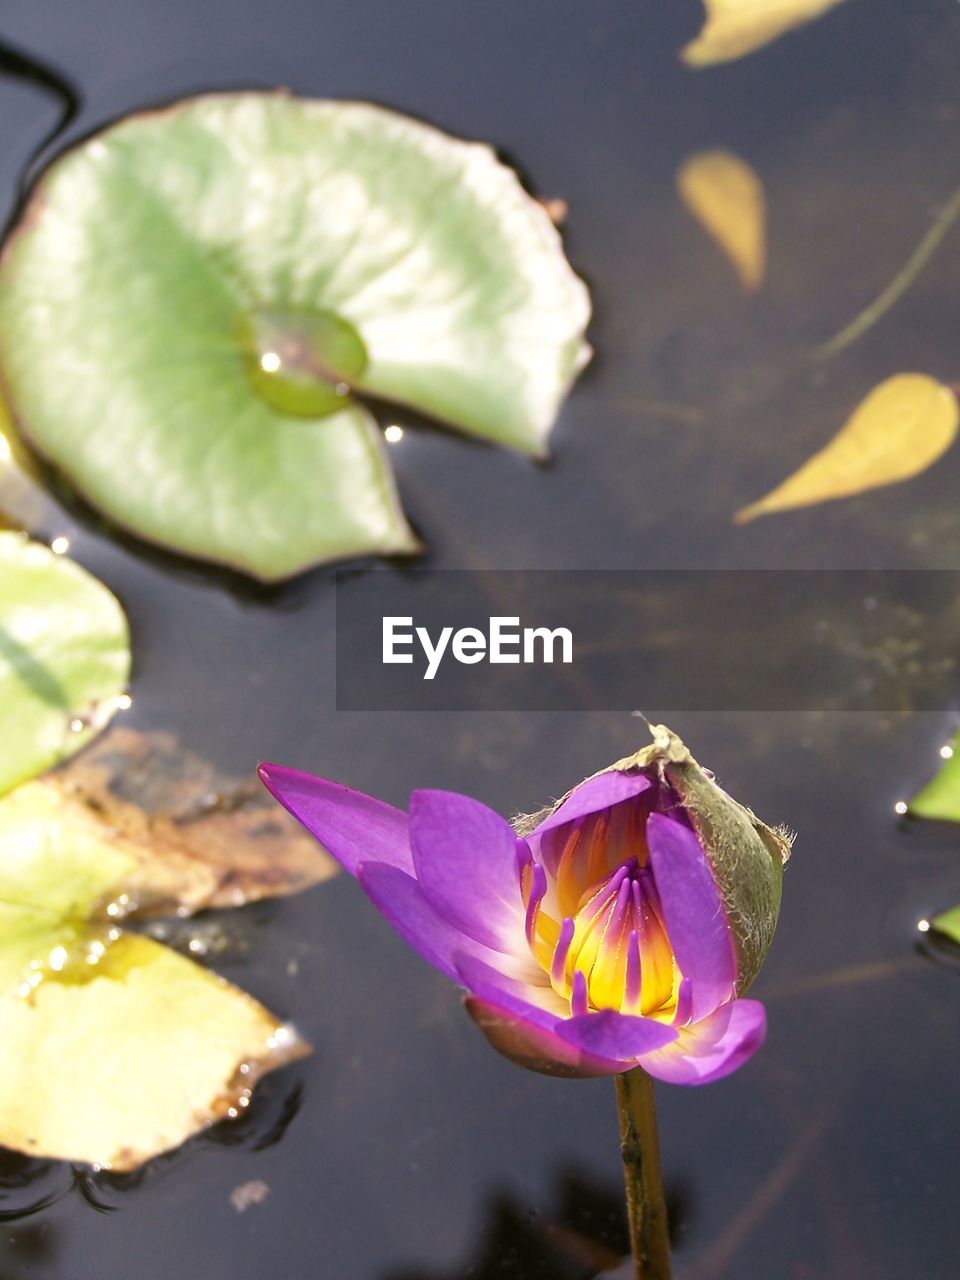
x=64 y=658
x=116 y=1048
x=948 y=923
x=193 y=300
x=940 y=797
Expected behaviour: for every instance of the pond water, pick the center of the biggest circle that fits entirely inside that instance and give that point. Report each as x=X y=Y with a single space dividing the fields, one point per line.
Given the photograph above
x=405 y=1149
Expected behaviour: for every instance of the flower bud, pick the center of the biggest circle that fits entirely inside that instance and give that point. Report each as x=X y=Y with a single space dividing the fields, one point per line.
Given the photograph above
x=746 y=856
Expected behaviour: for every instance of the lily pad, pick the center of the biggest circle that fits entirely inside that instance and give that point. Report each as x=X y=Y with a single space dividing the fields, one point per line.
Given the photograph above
x=115 y=1047
x=194 y=298
x=64 y=658
x=940 y=797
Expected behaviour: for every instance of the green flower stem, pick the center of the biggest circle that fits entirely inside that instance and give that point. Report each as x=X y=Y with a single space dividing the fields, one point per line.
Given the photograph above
x=640 y=1149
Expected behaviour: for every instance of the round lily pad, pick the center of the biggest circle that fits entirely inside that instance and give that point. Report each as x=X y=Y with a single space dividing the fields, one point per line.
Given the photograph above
x=196 y=301
x=64 y=658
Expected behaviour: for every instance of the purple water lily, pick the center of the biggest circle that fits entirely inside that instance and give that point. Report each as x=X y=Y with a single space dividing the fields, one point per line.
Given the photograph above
x=598 y=942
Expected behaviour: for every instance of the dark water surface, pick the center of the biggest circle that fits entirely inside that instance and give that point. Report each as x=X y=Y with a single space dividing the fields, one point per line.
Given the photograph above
x=405 y=1149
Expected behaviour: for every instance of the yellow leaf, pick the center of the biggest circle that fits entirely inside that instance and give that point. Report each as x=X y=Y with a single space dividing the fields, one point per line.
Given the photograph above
x=116 y=1048
x=736 y=27
x=725 y=195
x=902 y=427
x=114 y=1061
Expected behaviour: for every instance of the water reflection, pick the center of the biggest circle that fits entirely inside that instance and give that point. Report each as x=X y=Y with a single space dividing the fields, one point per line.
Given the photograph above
x=28 y=1247
x=28 y=1186
x=583 y=1234
x=17 y=65
x=938 y=949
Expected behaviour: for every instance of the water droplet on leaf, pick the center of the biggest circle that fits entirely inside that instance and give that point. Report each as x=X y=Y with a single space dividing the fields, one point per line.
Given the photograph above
x=301 y=361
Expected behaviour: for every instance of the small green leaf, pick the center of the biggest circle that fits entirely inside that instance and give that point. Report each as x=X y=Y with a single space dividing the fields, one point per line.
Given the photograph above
x=194 y=298
x=64 y=658
x=948 y=923
x=940 y=798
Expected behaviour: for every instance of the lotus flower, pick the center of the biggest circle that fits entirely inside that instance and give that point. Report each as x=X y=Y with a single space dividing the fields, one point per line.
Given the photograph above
x=616 y=930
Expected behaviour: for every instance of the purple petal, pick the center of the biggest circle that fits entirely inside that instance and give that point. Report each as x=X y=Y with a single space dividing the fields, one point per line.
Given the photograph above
x=596 y=794
x=713 y=1048
x=522 y=996
x=534 y=1047
x=617 y=1035
x=397 y=896
x=466 y=861
x=693 y=913
x=350 y=825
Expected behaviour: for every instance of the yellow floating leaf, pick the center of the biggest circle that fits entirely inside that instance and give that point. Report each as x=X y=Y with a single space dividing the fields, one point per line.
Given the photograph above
x=113 y=1061
x=902 y=427
x=116 y=1048
x=725 y=195
x=736 y=27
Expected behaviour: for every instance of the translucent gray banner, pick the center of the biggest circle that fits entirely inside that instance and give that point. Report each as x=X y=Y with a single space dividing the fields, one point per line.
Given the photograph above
x=691 y=640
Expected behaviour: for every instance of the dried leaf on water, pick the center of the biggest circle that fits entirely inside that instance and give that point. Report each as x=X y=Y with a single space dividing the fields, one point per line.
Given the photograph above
x=115 y=1047
x=901 y=428
x=194 y=838
x=725 y=195
x=64 y=658
x=736 y=27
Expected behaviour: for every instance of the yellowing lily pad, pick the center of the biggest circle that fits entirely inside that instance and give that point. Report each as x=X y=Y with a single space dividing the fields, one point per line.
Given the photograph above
x=115 y=1047
x=64 y=658
x=736 y=27
x=901 y=428
x=196 y=301
x=725 y=195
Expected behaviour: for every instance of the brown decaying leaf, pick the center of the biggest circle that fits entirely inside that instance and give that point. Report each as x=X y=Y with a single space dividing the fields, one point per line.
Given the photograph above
x=200 y=839
x=736 y=27
x=725 y=195
x=903 y=426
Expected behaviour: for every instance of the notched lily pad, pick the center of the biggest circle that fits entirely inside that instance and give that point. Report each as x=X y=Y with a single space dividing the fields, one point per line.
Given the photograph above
x=195 y=299
x=64 y=658
x=115 y=1047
